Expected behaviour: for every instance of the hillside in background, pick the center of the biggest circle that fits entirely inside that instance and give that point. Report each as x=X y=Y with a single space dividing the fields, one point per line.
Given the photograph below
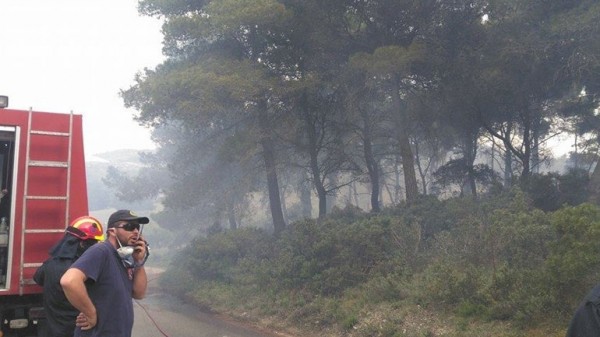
x=102 y=197
x=103 y=200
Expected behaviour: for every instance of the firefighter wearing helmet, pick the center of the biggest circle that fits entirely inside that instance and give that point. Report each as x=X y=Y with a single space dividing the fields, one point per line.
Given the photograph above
x=86 y=228
x=81 y=234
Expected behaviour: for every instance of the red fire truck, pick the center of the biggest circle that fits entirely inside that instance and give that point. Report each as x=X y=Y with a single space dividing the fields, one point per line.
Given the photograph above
x=43 y=187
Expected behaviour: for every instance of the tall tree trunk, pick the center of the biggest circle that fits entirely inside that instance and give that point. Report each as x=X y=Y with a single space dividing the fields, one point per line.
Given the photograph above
x=284 y=210
x=470 y=153
x=408 y=166
x=420 y=169
x=471 y=181
x=319 y=186
x=331 y=197
x=313 y=152
x=273 y=186
x=507 y=168
x=372 y=165
x=397 y=186
x=322 y=196
x=305 y=199
x=408 y=160
x=526 y=173
x=535 y=146
x=268 y=152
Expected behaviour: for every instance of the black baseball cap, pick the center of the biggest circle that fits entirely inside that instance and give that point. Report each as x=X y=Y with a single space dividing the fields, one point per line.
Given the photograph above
x=125 y=215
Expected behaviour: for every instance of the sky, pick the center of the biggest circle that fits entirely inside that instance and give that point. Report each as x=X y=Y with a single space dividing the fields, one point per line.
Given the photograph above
x=76 y=55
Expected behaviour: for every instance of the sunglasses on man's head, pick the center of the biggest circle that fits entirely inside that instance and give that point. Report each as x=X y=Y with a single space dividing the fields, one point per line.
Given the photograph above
x=130 y=226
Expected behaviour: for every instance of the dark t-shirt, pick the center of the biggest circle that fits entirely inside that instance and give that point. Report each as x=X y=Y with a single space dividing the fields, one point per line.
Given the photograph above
x=586 y=320
x=59 y=312
x=110 y=287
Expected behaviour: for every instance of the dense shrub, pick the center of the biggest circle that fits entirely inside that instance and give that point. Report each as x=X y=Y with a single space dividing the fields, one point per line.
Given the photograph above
x=545 y=190
x=218 y=256
x=574 y=186
x=574 y=262
x=518 y=238
x=332 y=256
x=490 y=262
x=496 y=258
x=428 y=212
x=550 y=191
x=177 y=279
x=449 y=283
x=520 y=294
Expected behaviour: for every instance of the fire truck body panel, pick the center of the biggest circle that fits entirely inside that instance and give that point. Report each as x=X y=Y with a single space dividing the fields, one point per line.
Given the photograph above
x=42 y=168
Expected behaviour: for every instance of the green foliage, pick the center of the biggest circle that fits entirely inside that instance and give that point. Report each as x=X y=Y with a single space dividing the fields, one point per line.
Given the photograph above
x=348 y=214
x=178 y=279
x=521 y=295
x=228 y=72
x=332 y=256
x=389 y=60
x=517 y=237
x=385 y=288
x=231 y=14
x=349 y=322
x=574 y=186
x=550 y=191
x=490 y=262
x=224 y=256
x=499 y=260
x=428 y=215
x=455 y=173
x=448 y=284
x=574 y=260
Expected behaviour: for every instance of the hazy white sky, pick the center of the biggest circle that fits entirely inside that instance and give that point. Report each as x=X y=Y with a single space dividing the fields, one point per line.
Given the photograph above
x=63 y=55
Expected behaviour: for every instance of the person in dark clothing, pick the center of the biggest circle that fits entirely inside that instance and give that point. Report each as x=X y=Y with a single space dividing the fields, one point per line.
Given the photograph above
x=4 y=203
x=79 y=236
x=586 y=320
x=103 y=282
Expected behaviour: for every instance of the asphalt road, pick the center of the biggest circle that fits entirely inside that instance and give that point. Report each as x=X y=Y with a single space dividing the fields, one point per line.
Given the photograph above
x=162 y=315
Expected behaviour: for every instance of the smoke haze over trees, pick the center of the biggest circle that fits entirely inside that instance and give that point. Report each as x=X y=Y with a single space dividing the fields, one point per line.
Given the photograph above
x=265 y=101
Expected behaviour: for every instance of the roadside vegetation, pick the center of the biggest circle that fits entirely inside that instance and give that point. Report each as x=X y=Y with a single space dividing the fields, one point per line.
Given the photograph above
x=426 y=114
x=493 y=267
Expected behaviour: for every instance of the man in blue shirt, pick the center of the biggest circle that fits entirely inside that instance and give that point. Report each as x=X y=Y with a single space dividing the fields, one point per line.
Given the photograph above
x=103 y=281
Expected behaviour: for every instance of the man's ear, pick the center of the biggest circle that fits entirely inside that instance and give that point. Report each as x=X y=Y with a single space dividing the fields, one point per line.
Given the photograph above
x=111 y=231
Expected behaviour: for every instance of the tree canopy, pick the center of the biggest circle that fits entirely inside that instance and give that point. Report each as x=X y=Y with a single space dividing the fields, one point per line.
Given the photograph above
x=348 y=93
